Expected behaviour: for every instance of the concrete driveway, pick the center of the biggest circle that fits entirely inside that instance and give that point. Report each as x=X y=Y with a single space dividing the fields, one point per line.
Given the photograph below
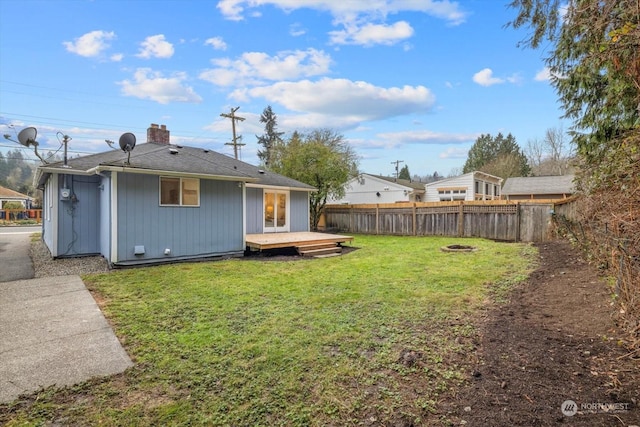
x=52 y=332
x=15 y=263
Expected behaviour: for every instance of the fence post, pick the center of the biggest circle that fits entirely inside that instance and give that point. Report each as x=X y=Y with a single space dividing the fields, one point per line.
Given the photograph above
x=518 y=218
x=415 y=227
x=461 y=220
x=377 y=219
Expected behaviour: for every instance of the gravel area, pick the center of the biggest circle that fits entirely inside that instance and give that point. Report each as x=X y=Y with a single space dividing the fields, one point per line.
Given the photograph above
x=45 y=266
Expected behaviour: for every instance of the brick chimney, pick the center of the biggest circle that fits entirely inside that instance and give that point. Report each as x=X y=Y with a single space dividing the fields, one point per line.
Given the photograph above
x=158 y=134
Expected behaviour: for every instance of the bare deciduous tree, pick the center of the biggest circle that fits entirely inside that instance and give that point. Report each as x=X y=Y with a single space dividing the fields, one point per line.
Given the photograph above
x=551 y=155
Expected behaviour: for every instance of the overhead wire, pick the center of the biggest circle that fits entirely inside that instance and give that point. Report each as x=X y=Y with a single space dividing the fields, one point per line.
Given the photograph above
x=57 y=122
x=52 y=121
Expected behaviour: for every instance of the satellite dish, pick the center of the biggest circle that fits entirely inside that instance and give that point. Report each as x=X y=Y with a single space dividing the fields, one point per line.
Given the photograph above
x=27 y=136
x=127 y=142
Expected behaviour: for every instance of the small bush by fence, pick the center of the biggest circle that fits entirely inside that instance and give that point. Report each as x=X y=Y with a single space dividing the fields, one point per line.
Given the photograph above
x=497 y=220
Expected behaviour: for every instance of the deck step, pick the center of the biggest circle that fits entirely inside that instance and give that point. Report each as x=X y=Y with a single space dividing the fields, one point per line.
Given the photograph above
x=320 y=249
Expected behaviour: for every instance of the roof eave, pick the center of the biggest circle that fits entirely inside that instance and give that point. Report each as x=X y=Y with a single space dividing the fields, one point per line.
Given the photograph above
x=310 y=190
x=110 y=168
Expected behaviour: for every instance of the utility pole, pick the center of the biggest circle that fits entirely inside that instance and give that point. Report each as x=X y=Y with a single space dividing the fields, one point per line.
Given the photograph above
x=397 y=163
x=233 y=118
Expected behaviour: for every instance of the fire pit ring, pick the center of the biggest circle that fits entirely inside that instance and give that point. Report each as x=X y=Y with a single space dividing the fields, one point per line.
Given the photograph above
x=458 y=248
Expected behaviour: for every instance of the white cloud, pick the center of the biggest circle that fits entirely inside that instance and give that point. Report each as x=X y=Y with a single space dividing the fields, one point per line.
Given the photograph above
x=117 y=57
x=91 y=44
x=485 y=78
x=258 y=67
x=353 y=101
x=392 y=140
x=543 y=75
x=346 y=10
x=428 y=137
x=362 y=21
x=155 y=47
x=148 y=84
x=372 y=34
x=217 y=43
x=297 y=30
x=515 y=79
x=454 y=153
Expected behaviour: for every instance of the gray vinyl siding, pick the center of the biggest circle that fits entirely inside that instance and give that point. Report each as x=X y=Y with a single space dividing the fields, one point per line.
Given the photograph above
x=254 y=210
x=299 y=211
x=105 y=215
x=214 y=228
x=78 y=222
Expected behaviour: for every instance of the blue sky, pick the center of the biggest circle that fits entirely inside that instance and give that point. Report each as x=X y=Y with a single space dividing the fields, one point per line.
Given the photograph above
x=410 y=80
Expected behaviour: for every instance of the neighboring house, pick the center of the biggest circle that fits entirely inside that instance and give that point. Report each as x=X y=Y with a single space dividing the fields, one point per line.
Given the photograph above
x=8 y=195
x=470 y=186
x=539 y=188
x=168 y=203
x=367 y=188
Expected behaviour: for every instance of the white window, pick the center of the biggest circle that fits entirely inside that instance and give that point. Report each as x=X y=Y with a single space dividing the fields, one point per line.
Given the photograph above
x=179 y=191
x=449 y=195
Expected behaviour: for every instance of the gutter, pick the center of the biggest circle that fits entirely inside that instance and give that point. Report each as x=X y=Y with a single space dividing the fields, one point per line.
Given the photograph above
x=102 y=168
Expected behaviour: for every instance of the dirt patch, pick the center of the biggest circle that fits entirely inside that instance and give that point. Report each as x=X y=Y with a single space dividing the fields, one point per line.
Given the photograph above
x=554 y=341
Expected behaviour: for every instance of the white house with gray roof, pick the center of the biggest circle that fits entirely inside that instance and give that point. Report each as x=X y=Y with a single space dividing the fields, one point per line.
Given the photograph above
x=164 y=203
x=369 y=189
x=470 y=186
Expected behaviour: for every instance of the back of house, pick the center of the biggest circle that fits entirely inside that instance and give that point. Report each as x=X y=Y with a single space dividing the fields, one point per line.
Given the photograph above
x=163 y=202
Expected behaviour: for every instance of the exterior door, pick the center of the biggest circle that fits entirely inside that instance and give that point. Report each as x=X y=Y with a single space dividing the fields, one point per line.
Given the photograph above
x=276 y=211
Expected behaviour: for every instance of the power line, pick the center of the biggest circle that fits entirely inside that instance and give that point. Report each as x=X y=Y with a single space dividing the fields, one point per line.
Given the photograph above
x=56 y=150
x=397 y=163
x=22 y=160
x=53 y=121
x=233 y=118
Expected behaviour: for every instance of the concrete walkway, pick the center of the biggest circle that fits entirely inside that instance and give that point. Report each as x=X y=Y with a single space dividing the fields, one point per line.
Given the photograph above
x=52 y=332
x=15 y=263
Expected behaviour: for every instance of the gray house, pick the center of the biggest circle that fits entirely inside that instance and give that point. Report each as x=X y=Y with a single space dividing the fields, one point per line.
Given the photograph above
x=163 y=203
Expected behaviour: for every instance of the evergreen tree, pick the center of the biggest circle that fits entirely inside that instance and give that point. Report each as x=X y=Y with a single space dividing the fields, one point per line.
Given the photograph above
x=499 y=155
x=271 y=138
x=404 y=173
x=594 y=63
x=4 y=170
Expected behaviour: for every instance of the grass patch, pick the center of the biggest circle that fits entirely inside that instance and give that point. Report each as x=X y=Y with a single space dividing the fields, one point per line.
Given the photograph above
x=373 y=337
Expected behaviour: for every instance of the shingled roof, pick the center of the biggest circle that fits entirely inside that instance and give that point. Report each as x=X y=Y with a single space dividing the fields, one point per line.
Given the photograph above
x=172 y=159
x=7 y=193
x=539 y=185
x=411 y=184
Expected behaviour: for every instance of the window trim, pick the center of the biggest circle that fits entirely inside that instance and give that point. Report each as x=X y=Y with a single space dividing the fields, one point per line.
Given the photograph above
x=180 y=195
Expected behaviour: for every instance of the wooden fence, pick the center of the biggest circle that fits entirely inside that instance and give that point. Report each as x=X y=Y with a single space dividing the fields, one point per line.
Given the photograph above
x=10 y=215
x=497 y=220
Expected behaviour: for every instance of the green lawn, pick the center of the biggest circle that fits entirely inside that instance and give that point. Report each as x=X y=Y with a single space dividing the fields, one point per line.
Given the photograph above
x=371 y=337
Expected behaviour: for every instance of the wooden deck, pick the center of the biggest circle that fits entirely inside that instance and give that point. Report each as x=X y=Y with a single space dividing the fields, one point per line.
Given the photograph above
x=258 y=242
